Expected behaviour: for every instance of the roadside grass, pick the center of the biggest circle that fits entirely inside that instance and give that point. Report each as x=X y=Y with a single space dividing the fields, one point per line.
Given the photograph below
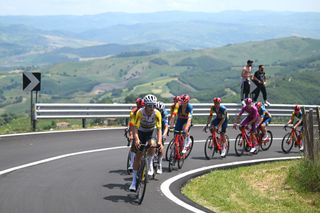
x=257 y=188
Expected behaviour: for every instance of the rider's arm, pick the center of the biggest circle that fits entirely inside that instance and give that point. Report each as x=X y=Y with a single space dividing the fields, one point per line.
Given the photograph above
x=159 y=127
x=131 y=124
x=189 y=119
x=165 y=122
x=174 y=113
x=137 y=126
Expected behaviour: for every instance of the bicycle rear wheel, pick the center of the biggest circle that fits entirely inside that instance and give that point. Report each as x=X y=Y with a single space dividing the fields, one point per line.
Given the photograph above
x=172 y=157
x=239 y=145
x=287 y=143
x=265 y=145
x=189 y=148
x=209 y=148
x=168 y=149
x=142 y=181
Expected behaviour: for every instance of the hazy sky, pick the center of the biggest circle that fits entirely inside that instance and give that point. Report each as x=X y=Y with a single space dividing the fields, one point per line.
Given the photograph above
x=87 y=7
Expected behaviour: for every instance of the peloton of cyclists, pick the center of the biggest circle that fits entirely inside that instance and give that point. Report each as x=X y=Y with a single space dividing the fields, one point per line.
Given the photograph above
x=297 y=113
x=183 y=111
x=251 y=119
x=147 y=119
x=220 y=122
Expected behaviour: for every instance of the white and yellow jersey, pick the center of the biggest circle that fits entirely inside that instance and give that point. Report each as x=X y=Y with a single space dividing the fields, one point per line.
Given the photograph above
x=146 y=123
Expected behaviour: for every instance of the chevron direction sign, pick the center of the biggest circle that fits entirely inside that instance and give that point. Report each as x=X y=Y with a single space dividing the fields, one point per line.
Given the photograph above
x=31 y=81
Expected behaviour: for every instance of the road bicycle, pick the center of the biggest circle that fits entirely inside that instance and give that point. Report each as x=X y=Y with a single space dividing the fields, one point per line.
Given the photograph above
x=294 y=137
x=142 y=173
x=175 y=150
x=215 y=145
x=244 y=141
x=264 y=144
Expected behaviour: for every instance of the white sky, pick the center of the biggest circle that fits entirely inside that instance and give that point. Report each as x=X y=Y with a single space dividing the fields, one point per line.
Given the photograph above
x=88 y=7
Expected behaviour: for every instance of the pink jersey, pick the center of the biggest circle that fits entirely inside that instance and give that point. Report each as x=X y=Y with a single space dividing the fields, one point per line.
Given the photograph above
x=252 y=112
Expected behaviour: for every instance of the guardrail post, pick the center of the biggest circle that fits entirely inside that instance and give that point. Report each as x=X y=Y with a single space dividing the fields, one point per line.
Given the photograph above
x=310 y=132
x=83 y=123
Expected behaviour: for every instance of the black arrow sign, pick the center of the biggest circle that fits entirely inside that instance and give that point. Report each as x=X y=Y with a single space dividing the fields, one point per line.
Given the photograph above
x=31 y=81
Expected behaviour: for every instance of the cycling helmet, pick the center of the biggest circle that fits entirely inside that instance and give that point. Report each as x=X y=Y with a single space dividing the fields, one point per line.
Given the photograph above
x=217 y=100
x=259 y=104
x=185 y=98
x=140 y=102
x=160 y=106
x=150 y=100
x=248 y=101
x=176 y=99
x=297 y=108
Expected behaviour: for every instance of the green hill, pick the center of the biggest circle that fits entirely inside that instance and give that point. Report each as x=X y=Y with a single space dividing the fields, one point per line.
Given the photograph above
x=292 y=67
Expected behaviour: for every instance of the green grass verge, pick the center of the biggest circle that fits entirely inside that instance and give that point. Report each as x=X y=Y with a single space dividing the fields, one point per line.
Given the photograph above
x=258 y=188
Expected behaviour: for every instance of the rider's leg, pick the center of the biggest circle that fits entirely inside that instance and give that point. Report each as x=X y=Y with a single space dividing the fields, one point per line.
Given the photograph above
x=160 y=157
x=132 y=155
x=151 y=153
x=136 y=165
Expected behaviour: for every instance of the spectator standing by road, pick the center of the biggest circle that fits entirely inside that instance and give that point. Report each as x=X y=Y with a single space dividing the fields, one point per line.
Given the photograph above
x=245 y=80
x=259 y=80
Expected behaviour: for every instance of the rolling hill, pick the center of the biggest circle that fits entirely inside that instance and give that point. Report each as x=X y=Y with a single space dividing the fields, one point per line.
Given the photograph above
x=292 y=67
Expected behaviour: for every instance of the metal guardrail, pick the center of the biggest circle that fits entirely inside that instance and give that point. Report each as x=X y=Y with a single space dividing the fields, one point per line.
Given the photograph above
x=82 y=111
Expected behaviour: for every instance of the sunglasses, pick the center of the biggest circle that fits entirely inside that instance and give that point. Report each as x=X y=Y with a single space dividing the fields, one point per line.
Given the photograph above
x=150 y=105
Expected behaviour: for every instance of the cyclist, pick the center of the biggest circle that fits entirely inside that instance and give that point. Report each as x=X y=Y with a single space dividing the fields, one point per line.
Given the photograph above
x=251 y=119
x=164 y=117
x=297 y=113
x=176 y=100
x=146 y=119
x=139 y=104
x=220 y=122
x=183 y=111
x=265 y=119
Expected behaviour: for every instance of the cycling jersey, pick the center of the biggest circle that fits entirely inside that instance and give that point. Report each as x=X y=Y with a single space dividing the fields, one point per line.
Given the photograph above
x=221 y=112
x=146 y=123
x=252 y=112
x=252 y=115
x=133 y=116
x=299 y=117
x=264 y=113
x=172 y=107
x=187 y=113
x=182 y=116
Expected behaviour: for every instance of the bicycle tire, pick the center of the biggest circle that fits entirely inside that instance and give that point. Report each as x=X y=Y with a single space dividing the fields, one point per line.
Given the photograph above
x=168 y=148
x=287 y=143
x=181 y=162
x=227 y=144
x=172 y=157
x=265 y=145
x=209 y=149
x=128 y=163
x=142 y=182
x=190 y=147
x=239 y=145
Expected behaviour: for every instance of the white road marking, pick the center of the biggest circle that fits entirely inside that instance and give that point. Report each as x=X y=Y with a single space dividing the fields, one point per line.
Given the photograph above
x=165 y=186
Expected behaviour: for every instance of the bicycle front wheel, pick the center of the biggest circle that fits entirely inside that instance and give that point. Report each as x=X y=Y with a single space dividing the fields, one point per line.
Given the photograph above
x=189 y=148
x=142 y=182
x=172 y=156
x=168 y=149
x=209 y=148
x=239 y=145
x=287 y=143
x=227 y=145
x=265 y=145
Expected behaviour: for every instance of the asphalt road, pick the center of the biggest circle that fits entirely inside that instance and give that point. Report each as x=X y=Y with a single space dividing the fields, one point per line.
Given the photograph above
x=93 y=182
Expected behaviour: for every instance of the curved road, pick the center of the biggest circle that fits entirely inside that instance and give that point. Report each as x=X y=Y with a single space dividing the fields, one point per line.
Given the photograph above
x=92 y=182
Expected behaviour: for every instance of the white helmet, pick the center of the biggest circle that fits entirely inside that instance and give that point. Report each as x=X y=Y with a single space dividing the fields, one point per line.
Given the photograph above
x=160 y=106
x=150 y=100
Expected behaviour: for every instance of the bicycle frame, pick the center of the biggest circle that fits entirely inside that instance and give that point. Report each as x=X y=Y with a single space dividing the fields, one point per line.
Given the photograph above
x=246 y=137
x=179 y=138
